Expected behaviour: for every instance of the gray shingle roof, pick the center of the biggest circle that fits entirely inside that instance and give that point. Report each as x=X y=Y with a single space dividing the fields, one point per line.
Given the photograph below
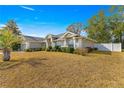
x=33 y=39
x=58 y=35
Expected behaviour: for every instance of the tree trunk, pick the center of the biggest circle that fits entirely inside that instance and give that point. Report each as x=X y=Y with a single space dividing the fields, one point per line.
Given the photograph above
x=6 y=54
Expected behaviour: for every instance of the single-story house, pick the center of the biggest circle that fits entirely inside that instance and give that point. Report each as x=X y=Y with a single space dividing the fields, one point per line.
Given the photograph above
x=67 y=39
x=31 y=42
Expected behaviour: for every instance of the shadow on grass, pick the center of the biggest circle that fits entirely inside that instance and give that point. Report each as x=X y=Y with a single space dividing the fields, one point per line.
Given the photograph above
x=34 y=62
x=6 y=65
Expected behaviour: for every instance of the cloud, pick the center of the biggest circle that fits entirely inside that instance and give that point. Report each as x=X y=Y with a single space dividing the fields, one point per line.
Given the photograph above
x=2 y=25
x=33 y=34
x=28 y=8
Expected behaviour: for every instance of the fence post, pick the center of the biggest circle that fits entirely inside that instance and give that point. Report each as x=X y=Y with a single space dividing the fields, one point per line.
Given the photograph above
x=120 y=46
x=111 y=46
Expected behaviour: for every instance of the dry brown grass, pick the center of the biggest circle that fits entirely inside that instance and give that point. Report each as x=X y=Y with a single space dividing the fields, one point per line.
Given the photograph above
x=52 y=69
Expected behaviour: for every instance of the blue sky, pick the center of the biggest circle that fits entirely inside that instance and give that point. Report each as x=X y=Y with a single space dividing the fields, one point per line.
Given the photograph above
x=41 y=20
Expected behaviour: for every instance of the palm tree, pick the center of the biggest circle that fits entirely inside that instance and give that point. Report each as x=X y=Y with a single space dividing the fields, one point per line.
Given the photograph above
x=7 y=39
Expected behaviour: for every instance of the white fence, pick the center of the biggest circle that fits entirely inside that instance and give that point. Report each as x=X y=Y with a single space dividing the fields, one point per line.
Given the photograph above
x=109 y=47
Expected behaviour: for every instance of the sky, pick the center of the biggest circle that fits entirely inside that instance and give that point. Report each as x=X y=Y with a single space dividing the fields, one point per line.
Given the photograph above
x=40 y=20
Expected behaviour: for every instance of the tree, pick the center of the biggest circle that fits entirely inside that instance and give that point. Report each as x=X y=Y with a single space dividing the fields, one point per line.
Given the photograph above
x=107 y=28
x=75 y=28
x=116 y=27
x=12 y=26
x=7 y=39
x=98 y=28
x=117 y=22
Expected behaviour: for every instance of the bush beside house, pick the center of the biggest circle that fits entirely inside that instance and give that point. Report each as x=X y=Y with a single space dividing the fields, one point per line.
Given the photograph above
x=33 y=49
x=69 y=50
x=60 y=49
x=79 y=51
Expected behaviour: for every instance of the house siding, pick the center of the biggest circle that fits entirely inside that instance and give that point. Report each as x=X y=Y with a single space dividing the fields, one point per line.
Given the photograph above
x=35 y=45
x=87 y=43
x=60 y=43
x=27 y=45
x=79 y=43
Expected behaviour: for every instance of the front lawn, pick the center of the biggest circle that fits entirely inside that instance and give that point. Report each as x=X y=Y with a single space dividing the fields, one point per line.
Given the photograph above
x=54 y=69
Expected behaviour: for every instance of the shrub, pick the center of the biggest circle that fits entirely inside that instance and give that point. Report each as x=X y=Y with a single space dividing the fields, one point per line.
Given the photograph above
x=89 y=49
x=84 y=51
x=63 y=49
x=49 y=48
x=76 y=51
x=56 y=48
x=40 y=49
x=28 y=50
x=33 y=49
x=16 y=47
x=81 y=51
x=43 y=48
x=95 y=48
x=69 y=50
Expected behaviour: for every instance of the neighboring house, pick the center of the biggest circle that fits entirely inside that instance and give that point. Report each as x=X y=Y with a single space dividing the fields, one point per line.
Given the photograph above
x=31 y=42
x=68 y=39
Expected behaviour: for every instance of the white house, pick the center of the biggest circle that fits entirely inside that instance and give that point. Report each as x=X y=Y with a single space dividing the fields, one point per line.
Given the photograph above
x=68 y=39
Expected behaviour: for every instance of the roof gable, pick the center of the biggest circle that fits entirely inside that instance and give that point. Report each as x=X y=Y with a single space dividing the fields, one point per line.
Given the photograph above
x=51 y=35
x=68 y=34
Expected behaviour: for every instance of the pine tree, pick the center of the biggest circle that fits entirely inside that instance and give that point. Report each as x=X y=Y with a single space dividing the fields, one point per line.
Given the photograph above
x=12 y=26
